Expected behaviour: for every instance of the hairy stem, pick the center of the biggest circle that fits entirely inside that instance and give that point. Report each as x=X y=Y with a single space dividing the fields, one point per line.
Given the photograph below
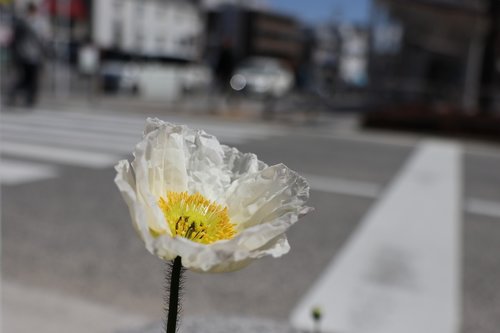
x=173 y=295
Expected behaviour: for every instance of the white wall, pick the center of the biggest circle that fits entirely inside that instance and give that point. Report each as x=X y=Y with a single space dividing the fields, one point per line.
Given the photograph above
x=148 y=27
x=102 y=18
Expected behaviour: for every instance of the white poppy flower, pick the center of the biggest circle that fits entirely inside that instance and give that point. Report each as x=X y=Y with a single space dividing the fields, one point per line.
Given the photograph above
x=215 y=207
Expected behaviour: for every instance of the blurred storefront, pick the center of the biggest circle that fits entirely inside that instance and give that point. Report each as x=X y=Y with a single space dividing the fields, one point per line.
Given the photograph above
x=147 y=47
x=435 y=67
x=138 y=43
x=248 y=32
x=148 y=29
x=320 y=59
x=436 y=52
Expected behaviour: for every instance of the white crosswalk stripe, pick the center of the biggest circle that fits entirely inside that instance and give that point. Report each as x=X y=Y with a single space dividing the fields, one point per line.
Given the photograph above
x=16 y=172
x=393 y=275
x=59 y=155
x=34 y=145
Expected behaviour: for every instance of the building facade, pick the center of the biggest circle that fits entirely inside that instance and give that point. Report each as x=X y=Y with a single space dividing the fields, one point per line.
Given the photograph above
x=248 y=32
x=433 y=51
x=171 y=29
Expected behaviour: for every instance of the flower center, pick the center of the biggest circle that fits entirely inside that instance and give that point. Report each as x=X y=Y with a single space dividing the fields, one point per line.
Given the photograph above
x=194 y=217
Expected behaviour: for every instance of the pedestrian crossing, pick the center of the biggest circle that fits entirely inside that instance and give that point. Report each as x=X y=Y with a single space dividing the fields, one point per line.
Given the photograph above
x=15 y=172
x=393 y=275
x=35 y=145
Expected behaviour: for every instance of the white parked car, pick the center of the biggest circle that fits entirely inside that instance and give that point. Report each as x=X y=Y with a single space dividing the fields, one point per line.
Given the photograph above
x=262 y=76
x=155 y=81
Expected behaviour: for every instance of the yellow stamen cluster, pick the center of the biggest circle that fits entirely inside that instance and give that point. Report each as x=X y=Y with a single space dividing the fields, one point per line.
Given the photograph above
x=194 y=217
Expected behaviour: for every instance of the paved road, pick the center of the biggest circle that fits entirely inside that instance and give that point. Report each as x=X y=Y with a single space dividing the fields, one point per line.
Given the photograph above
x=66 y=230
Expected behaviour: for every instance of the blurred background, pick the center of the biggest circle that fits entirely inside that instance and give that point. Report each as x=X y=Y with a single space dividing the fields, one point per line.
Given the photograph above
x=356 y=95
x=419 y=63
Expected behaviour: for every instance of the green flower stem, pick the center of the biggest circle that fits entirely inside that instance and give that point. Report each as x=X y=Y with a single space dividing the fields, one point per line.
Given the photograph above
x=173 y=302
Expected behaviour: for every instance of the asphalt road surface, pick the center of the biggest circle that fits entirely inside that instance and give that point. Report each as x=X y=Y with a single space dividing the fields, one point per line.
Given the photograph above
x=67 y=240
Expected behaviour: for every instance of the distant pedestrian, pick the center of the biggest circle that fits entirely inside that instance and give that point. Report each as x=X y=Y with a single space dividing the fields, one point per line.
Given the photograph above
x=225 y=66
x=88 y=65
x=223 y=72
x=29 y=48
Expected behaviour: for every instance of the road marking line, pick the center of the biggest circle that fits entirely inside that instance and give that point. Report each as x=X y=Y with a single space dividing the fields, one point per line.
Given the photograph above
x=79 y=139
x=210 y=125
x=71 y=142
x=59 y=155
x=16 y=172
x=381 y=138
x=93 y=143
x=343 y=186
x=66 y=132
x=136 y=127
x=107 y=134
x=400 y=271
x=76 y=124
x=118 y=119
x=371 y=190
x=482 y=207
x=215 y=127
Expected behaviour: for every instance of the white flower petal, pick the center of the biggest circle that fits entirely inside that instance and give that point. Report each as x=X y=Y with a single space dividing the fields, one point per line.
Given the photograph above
x=222 y=256
x=262 y=201
x=125 y=181
x=240 y=164
x=163 y=153
x=257 y=198
x=153 y=169
x=206 y=169
x=209 y=166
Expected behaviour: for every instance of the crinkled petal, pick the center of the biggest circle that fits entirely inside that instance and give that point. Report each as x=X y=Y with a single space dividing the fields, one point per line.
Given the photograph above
x=223 y=256
x=208 y=167
x=262 y=201
x=240 y=164
x=268 y=203
x=257 y=198
x=125 y=180
x=159 y=166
